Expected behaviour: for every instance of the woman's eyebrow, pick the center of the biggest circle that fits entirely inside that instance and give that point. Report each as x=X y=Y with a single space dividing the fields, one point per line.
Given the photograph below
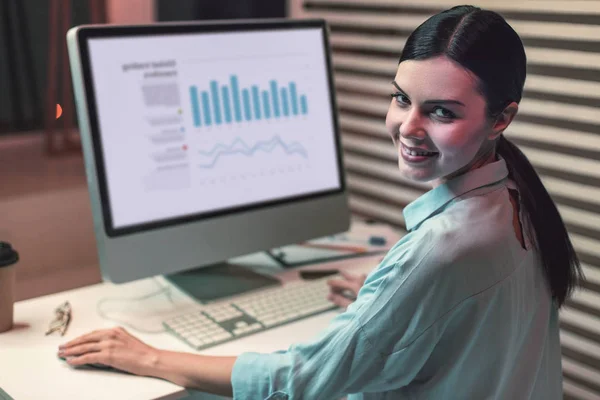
x=446 y=101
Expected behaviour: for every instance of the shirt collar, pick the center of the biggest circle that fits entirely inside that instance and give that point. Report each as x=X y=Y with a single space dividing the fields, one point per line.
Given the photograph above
x=427 y=204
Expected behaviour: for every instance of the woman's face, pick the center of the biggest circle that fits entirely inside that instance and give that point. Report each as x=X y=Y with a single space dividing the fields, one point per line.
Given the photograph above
x=437 y=120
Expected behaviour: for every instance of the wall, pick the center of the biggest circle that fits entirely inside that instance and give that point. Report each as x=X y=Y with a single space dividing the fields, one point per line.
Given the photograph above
x=557 y=128
x=130 y=11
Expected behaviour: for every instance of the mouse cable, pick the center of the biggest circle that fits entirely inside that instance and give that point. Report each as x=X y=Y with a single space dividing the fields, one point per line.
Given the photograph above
x=162 y=290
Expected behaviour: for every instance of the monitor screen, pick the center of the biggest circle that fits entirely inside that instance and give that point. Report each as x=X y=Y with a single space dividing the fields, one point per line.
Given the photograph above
x=196 y=124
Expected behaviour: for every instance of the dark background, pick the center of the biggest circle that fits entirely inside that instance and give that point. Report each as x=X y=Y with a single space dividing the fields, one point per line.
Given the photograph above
x=180 y=10
x=24 y=44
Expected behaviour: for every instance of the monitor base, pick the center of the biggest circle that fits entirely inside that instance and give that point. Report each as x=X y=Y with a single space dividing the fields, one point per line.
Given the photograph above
x=217 y=281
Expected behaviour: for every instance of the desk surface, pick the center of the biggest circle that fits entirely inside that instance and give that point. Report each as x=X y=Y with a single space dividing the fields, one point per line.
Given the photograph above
x=30 y=369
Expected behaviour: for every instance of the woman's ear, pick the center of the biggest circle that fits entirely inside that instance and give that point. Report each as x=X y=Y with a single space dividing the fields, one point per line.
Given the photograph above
x=503 y=120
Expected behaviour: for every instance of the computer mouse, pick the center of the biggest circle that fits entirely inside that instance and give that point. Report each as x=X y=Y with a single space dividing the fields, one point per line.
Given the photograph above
x=97 y=366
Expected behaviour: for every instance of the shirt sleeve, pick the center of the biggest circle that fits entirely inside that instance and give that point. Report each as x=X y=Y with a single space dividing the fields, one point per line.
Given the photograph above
x=379 y=343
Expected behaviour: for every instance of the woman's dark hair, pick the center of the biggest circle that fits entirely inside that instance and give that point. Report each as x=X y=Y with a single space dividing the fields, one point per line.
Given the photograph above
x=482 y=42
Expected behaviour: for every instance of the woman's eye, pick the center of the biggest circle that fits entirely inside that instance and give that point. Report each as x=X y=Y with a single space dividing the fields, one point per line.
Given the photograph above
x=443 y=113
x=400 y=98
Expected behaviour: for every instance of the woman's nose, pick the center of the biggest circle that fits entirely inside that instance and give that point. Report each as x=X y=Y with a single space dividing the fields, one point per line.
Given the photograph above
x=412 y=126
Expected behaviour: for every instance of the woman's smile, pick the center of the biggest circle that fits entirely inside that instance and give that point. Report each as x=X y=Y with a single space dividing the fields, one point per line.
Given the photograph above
x=414 y=155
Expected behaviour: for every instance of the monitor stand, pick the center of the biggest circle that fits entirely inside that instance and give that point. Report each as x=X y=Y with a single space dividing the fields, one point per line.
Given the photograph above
x=214 y=282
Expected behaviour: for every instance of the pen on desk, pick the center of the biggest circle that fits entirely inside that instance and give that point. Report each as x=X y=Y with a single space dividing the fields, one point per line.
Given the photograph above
x=356 y=249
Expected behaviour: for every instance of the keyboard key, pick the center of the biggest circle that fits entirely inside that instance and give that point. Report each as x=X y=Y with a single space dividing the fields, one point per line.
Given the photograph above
x=222 y=336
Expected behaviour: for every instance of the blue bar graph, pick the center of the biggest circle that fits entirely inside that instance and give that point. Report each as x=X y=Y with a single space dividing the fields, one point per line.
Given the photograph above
x=237 y=108
x=226 y=104
x=234 y=103
x=247 y=108
x=206 y=108
x=256 y=101
x=195 y=105
x=266 y=104
x=304 y=104
x=275 y=98
x=214 y=91
x=284 y=102
x=294 y=98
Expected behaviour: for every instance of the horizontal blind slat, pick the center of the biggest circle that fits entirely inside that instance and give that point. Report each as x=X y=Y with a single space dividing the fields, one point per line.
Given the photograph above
x=577 y=391
x=580 y=344
x=517 y=129
x=535 y=55
x=582 y=372
x=592 y=274
x=553 y=135
x=380 y=86
x=580 y=319
x=555 y=186
x=541 y=108
x=381 y=212
x=385 y=170
x=575 y=165
x=580 y=243
x=381 y=190
x=408 y=22
x=580 y=217
x=562 y=6
x=584 y=244
x=588 y=298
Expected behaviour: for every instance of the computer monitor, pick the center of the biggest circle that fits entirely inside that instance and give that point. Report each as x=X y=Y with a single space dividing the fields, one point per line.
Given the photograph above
x=206 y=141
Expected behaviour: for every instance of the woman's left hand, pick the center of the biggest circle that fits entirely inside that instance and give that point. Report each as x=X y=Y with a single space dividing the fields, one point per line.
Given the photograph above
x=114 y=347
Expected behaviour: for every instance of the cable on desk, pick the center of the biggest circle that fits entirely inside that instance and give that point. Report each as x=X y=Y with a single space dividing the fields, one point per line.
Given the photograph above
x=162 y=289
x=279 y=258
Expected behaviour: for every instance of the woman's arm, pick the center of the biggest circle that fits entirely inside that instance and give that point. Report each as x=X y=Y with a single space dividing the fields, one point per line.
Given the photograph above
x=118 y=349
x=205 y=373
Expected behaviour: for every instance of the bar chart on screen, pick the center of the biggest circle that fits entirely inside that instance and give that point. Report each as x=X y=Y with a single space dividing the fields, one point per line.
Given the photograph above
x=251 y=125
x=218 y=104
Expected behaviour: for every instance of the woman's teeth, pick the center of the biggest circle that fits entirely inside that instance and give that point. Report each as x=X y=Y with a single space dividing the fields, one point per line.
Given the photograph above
x=419 y=153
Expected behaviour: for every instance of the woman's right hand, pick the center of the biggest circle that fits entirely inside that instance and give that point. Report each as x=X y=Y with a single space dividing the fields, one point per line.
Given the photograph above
x=343 y=291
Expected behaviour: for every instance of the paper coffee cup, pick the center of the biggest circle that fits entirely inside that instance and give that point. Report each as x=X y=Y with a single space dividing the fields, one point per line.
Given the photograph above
x=8 y=259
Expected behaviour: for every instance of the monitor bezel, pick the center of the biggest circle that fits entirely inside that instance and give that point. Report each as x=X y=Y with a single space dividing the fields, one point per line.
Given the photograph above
x=85 y=33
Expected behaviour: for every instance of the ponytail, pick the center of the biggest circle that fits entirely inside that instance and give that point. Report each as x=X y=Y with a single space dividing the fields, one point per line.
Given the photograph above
x=560 y=262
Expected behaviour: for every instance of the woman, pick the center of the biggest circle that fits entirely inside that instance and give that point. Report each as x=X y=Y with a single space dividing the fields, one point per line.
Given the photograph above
x=465 y=305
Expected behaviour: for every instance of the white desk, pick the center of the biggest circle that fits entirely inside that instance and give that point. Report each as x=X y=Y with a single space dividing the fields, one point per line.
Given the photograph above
x=30 y=369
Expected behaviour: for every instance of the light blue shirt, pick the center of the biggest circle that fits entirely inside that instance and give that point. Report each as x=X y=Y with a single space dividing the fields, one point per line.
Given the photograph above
x=457 y=309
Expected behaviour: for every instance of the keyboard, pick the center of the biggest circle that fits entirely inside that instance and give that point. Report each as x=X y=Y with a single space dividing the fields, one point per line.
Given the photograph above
x=250 y=313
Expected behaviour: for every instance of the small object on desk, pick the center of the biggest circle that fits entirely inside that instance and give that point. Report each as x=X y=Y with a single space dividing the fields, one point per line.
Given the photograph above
x=337 y=246
x=374 y=240
x=316 y=274
x=377 y=241
x=62 y=318
x=348 y=242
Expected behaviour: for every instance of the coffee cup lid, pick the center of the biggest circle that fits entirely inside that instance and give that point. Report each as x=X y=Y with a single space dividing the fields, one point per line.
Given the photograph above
x=8 y=256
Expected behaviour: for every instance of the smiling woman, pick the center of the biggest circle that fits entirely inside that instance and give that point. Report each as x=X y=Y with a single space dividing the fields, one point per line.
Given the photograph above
x=477 y=68
x=466 y=304
x=436 y=109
